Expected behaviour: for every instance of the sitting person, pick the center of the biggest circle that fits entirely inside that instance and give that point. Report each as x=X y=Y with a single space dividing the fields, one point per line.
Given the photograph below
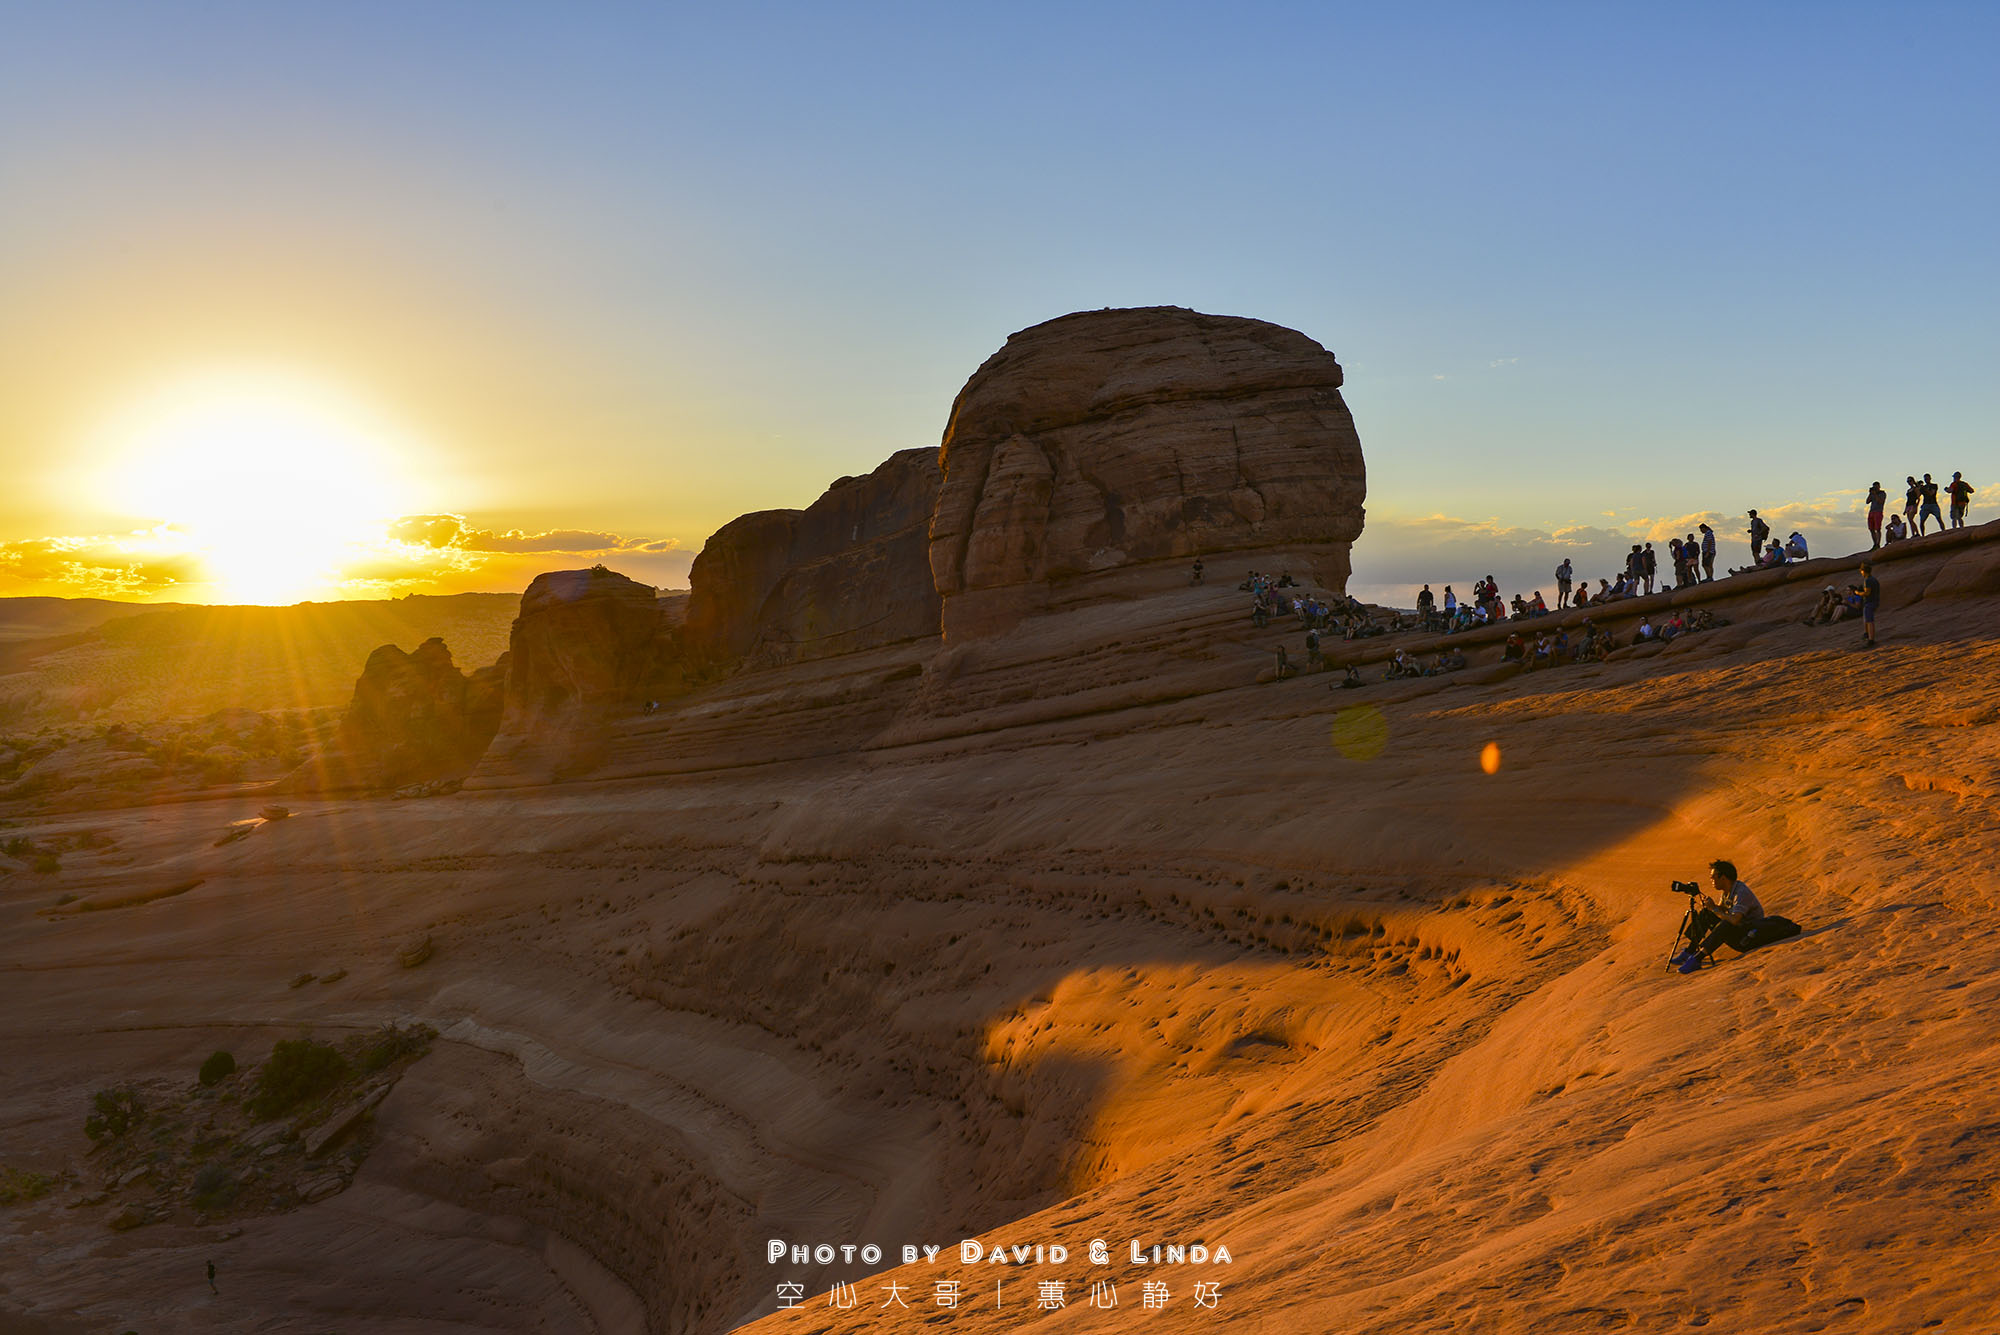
x=1727 y=923
x=1515 y=650
x=1823 y=611
x=1452 y=660
x=1675 y=625
x=1352 y=679
x=1582 y=598
x=1544 y=655
x=1559 y=651
x=1646 y=631
x=1895 y=532
x=1795 y=546
x=1536 y=607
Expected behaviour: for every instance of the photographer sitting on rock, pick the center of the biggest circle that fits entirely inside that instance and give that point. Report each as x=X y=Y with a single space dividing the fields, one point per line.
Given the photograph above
x=1732 y=922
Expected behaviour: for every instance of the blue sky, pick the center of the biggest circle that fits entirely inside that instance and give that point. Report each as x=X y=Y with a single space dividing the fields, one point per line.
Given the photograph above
x=643 y=268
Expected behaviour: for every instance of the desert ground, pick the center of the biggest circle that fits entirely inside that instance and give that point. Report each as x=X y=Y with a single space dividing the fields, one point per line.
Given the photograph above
x=1084 y=932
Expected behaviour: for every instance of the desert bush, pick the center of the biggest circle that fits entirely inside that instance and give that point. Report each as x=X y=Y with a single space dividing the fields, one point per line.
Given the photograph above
x=391 y=1043
x=214 y=1187
x=299 y=1069
x=218 y=1067
x=18 y=1186
x=113 y=1112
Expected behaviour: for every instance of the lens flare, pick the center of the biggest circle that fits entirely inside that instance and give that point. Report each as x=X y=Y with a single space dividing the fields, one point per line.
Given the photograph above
x=1489 y=759
x=1360 y=732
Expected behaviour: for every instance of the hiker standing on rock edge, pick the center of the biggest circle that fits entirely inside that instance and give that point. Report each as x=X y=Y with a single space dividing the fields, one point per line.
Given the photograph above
x=1960 y=492
x=1877 y=498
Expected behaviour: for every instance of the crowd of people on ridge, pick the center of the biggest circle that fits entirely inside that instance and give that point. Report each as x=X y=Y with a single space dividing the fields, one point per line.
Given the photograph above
x=1691 y=560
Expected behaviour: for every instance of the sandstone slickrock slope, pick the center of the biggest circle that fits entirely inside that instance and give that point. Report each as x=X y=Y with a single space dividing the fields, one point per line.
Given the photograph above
x=1107 y=439
x=414 y=718
x=849 y=572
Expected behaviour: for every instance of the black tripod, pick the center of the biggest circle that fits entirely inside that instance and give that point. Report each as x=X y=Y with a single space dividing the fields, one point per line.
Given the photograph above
x=1687 y=921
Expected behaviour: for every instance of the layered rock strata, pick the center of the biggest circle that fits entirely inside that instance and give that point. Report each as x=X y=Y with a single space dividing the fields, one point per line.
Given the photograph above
x=1108 y=439
x=848 y=572
x=588 y=647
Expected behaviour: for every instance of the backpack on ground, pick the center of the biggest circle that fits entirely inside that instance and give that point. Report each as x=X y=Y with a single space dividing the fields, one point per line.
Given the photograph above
x=1772 y=928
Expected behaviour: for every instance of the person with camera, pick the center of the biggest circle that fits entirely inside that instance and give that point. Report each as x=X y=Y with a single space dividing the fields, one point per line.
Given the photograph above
x=1731 y=921
x=1869 y=591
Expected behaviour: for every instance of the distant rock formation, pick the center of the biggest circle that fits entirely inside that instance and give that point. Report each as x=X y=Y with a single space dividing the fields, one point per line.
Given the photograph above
x=588 y=645
x=1108 y=439
x=415 y=718
x=849 y=572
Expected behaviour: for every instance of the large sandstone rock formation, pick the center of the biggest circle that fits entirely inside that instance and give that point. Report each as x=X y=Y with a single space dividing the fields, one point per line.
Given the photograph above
x=1107 y=439
x=415 y=718
x=849 y=572
x=589 y=645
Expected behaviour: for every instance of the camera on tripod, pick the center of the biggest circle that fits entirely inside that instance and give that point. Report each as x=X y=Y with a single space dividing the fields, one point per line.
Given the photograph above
x=1688 y=888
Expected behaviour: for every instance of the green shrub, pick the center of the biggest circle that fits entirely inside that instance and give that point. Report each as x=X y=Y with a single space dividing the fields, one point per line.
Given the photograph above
x=214 y=1187
x=391 y=1043
x=299 y=1069
x=219 y=1067
x=113 y=1112
x=18 y=1186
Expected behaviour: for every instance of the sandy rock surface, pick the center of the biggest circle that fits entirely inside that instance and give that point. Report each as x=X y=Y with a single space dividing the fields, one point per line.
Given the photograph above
x=1077 y=933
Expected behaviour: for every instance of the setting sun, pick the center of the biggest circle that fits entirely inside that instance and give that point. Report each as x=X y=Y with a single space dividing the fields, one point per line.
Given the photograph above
x=271 y=483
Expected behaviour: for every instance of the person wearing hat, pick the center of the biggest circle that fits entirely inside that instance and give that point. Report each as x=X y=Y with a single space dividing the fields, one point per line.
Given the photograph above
x=1759 y=530
x=1871 y=596
x=1961 y=497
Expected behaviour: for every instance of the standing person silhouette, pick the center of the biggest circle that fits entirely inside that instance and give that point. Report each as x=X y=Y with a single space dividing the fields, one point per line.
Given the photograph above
x=1707 y=552
x=211 y=1278
x=1961 y=497
x=1871 y=597
x=1929 y=510
x=1877 y=498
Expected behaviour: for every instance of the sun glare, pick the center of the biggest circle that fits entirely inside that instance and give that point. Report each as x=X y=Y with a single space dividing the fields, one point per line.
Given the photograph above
x=274 y=482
